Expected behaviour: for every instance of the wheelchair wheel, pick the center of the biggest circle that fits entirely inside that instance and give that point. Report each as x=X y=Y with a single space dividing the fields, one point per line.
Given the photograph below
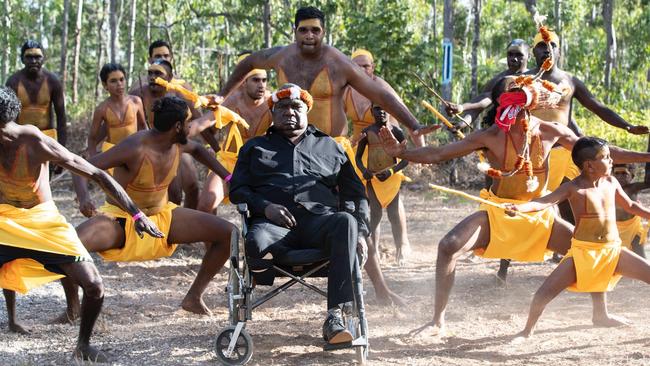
x=241 y=353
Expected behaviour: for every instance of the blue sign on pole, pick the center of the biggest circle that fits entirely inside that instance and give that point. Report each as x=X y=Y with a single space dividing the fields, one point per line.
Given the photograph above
x=446 y=61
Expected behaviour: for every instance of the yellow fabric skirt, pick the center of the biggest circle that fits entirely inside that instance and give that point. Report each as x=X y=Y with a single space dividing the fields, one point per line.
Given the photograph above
x=386 y=190
x=595 y=264
x=631 y=228
x=136 y=248
x=347 y=146
x=228 y=160
x=51 y=133
x=514 y=237
x=560 y=166
x=41 y=228
x=105 y=147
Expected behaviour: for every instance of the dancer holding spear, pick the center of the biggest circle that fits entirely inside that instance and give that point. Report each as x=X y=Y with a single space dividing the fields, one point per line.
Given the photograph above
x=517 y=147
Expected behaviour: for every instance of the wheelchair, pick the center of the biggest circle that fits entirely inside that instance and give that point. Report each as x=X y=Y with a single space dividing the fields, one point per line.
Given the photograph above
x=234 y=345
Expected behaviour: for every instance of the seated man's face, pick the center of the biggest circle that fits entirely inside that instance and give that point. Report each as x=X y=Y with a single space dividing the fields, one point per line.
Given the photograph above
x=290 y=117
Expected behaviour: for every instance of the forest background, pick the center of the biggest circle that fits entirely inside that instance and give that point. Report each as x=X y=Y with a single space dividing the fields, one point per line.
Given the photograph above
x=605 y=43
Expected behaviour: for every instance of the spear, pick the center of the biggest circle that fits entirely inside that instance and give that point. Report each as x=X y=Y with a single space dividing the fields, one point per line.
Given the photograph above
x=479 y=199
x=441 y=99
x=444 y=120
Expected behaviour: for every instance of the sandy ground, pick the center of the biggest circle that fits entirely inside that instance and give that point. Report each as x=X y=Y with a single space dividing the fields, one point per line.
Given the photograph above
x=142 y=323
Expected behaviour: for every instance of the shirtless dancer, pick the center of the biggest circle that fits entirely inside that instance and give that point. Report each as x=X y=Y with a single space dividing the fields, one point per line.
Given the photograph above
x=188 y=180
x=39 y=91
x=325 y=72
x=490 y=232
x=120 y=115
x=249 y=101
x=144 y=164
x=517 y=54
x=37 y=245
x=561 y=164
x=596 y=260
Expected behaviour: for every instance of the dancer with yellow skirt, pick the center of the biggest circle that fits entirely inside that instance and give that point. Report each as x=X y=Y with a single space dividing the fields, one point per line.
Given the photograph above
x=40 y=92
x=596 y=260
x=632 y=230
x=117 y=117
x=145 y=164
x=247 y=104
x=37 y=245
x=325 y=72
x=383 y=176
x=517 y=147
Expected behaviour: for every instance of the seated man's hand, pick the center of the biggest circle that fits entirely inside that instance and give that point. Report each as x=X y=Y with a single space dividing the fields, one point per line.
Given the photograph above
x=453 y=108
x=362 y=250
x=145 y=225
x=382 y=176
x=367 y=175
x=280 y=215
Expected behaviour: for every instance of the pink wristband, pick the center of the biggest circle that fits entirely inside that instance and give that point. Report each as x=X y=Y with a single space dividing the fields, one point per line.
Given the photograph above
x=228 y=178
x=138 y=216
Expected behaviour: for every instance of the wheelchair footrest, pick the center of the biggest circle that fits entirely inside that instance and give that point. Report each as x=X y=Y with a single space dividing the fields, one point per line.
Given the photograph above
x=359 y=342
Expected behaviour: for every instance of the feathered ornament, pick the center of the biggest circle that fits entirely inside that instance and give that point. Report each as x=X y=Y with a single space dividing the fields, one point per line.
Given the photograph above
x=538 y=94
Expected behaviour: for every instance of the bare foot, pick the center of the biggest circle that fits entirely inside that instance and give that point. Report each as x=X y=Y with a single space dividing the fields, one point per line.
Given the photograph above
x=429 y=330
x=402 y=254
x=90 y=353
x=390 y=298
x=68 y=317
x=18 y=328
x=521 y=337
x=195 y=305
x=610 y=321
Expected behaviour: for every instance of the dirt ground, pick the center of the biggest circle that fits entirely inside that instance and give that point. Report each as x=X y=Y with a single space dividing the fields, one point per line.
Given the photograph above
x=142 y=323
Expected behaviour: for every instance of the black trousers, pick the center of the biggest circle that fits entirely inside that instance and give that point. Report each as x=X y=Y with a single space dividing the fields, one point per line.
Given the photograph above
x=335 y=233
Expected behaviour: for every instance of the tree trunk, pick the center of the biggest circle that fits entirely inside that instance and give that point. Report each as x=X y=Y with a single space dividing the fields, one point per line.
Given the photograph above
x=113 y=29
x=77 y=49
x=163 y=6
x=435 y=37
x=448 y=34
x=131 y=40
x=63 y=66
x=100 y=44
x=610 y=49
x=41 y=27
x=267 y=23
x=148 y=21
x=531 y=6
x=476 y=9
x=6 y=55
x=558 y=30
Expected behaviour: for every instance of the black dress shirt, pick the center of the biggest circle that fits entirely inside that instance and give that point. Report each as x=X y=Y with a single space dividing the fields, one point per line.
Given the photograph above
x=315 y=174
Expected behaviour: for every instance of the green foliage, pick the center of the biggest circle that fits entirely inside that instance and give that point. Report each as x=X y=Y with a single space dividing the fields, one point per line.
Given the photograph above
x=594 y=126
